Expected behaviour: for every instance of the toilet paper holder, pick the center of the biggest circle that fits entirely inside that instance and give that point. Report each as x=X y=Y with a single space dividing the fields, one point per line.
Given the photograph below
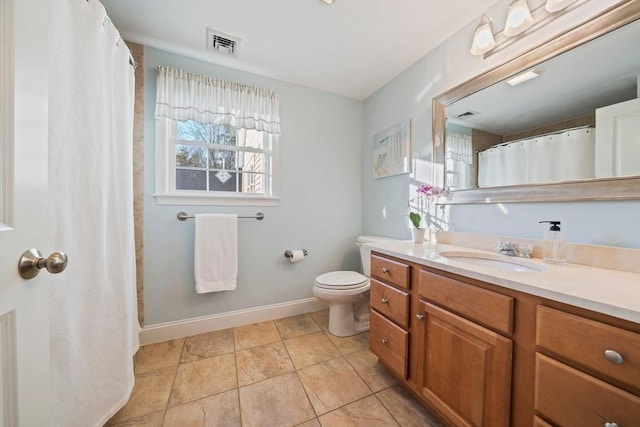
x=288 y=253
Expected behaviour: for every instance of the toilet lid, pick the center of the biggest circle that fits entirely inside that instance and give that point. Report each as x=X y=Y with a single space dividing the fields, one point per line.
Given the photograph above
x=341 y=280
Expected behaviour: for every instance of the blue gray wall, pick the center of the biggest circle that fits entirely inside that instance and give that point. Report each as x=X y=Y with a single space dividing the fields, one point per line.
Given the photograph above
x=320 y=152
x=409 y=95
x=328 y=194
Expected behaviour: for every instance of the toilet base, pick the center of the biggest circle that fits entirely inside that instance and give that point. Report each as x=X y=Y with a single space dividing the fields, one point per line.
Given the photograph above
x=342 y=322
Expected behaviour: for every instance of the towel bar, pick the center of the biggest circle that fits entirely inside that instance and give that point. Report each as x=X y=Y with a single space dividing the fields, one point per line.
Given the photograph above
x=182 y=216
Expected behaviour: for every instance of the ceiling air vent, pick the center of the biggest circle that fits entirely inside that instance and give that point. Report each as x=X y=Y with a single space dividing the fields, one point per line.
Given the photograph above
x=467 y=114
x=222 y=43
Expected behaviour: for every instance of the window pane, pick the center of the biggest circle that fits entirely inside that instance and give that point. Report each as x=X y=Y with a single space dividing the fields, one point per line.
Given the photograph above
x=212 y=134
x=222 y=181
x=222 y=159
x=188 y=155
x=251 y=162
x=252 y=183
x=188 y=179
x=250 y=138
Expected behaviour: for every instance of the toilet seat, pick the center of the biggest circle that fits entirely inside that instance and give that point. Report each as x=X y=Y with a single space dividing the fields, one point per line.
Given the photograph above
x=341 y=280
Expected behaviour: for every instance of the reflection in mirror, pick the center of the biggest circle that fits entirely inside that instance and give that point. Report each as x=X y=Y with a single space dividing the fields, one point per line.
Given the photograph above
x=573 y=117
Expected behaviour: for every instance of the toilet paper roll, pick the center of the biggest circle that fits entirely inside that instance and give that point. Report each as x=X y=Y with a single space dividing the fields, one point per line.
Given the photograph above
x=297 y=256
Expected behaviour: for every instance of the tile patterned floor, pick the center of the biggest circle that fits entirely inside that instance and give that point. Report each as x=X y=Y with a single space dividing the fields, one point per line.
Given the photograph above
x=288 y=372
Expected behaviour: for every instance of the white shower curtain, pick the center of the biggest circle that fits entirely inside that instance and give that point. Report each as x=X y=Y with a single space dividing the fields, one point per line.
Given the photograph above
x=564 y=156
x=93 y=315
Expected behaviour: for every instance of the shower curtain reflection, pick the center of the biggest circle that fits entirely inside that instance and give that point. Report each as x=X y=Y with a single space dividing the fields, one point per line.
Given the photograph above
x=564 y=156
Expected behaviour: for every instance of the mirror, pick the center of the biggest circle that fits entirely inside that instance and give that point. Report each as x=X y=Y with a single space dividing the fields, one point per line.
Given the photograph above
x=542 y=140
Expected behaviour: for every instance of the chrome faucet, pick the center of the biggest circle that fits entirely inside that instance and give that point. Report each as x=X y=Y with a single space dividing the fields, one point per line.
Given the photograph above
x=508 y=248
x=524 y=250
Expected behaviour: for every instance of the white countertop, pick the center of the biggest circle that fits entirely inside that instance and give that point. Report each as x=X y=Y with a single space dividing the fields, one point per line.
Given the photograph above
x=612 y=292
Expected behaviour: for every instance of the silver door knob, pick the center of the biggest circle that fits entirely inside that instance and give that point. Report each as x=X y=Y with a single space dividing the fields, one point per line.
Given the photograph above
x=385 y=270
x=32 y=261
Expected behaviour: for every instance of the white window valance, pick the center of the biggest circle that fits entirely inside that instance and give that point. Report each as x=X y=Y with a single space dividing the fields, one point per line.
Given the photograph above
x=187 y=96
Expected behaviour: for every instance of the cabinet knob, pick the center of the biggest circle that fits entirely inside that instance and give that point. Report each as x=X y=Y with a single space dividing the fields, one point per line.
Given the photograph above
x=611 y=425
x=613 y=357
x=385 y=270
x=384 y=341
x=384 y=300
x=420 y=316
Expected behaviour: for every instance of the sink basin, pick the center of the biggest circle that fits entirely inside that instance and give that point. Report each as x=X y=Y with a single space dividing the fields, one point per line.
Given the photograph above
x=492 y=261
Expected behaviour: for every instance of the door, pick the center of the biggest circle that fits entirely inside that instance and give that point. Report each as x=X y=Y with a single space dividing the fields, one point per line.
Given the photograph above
x=618 y=139
x=467 y=369
x=24 y=305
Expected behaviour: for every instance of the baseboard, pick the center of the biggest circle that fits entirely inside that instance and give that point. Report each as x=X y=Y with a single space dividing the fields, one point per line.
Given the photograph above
x=215 y=322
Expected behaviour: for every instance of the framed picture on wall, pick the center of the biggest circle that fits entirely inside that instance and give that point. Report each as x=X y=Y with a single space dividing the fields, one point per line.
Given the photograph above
x=392 y=150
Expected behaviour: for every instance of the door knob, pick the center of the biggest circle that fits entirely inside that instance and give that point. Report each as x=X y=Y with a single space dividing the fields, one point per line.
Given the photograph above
x=32 y=261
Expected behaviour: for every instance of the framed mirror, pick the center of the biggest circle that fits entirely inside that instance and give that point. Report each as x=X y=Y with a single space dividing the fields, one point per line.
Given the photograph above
x=550 y=138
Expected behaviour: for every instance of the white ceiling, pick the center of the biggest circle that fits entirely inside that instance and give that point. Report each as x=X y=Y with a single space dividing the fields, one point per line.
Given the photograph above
x=351 y=48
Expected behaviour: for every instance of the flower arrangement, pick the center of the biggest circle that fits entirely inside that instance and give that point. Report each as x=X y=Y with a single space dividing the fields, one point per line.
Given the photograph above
x=425 y=192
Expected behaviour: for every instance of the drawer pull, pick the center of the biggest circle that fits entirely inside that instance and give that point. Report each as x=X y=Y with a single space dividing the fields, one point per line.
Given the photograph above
x=384 y=300
x=384 y=341
x=614 y=357
x=611 y=425
x=420 y=316
x=385 y=270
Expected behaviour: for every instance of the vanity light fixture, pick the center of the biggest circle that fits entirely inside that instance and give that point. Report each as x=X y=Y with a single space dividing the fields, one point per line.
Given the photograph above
x=519 y=18
x=328 y=1
x=483 y=40
x=523 y=77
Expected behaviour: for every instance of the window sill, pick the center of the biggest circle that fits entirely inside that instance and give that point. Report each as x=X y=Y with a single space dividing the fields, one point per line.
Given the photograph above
x=198 y=199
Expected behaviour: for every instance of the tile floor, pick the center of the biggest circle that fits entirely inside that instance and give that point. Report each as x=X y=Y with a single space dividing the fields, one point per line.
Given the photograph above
x=287 y=372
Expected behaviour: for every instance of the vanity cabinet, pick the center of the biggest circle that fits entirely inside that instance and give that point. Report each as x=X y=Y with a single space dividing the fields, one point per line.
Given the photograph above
x=479 y=354
x=466 y=350
x=583 y=371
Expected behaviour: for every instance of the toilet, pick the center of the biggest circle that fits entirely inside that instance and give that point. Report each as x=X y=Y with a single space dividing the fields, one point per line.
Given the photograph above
x=347 y=293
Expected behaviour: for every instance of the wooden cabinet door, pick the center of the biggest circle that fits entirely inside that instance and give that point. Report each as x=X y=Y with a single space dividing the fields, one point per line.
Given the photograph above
x=467 y=369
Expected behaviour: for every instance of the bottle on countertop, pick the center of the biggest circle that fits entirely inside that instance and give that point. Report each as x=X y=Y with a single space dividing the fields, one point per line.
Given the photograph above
x=554 y=249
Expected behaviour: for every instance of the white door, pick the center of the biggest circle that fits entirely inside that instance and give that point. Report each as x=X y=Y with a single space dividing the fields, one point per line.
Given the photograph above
x=24 y=304
x=618 y=139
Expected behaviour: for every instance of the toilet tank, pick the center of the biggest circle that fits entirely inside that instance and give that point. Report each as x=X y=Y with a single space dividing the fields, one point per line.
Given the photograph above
x=365 y=251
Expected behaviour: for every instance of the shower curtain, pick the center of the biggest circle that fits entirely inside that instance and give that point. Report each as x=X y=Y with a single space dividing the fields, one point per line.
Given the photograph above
x=93 y=315
x=564 y=156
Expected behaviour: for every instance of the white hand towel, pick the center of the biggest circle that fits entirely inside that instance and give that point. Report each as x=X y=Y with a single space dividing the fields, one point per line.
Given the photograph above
x=216 y=252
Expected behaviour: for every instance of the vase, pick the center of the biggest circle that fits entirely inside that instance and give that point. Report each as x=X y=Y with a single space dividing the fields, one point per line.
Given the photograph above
x=418 y=235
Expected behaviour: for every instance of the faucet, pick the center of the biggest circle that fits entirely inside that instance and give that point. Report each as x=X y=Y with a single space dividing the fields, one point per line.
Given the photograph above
x=512 y=249
x=507 y=248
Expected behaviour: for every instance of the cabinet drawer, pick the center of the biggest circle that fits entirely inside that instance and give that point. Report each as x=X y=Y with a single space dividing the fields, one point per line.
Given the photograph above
x=568 y=397
x=489 y=308
x=390 y=343
x=391 y=302
x=393 y=272
x=584 y=341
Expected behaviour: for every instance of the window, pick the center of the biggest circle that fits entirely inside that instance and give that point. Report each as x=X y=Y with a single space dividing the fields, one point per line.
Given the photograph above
x=219 y=158
x=217 y=164
x=228 y=157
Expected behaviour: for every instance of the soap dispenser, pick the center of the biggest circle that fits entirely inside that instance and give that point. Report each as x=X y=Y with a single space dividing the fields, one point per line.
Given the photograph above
x=554 y=244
